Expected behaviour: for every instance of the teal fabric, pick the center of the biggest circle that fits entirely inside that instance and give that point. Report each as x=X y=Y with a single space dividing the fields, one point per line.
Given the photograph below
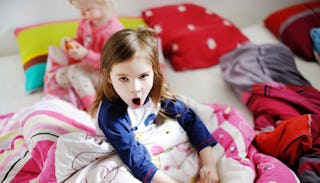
x=34 y=77
x=315 y=36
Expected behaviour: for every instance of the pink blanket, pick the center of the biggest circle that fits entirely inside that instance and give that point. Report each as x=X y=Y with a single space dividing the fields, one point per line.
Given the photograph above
x=53 y=141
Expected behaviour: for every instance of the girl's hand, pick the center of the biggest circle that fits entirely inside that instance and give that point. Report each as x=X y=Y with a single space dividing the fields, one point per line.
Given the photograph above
x=208 y=171
x=77 y=51
x=208 y=174
x=160 y=177
x=63 y=42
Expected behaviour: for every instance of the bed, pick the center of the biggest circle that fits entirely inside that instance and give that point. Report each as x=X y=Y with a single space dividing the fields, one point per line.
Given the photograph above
x=39 y=133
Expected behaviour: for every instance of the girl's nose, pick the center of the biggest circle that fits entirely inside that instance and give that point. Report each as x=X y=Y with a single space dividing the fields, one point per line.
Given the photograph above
x=135 y=88
x=84 y=14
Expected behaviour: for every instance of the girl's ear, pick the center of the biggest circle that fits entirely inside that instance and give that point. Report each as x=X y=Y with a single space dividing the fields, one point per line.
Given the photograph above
x=104 y=73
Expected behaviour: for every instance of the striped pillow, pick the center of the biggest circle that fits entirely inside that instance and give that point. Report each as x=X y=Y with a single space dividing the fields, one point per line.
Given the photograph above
x=33 y=42
x=292 y=26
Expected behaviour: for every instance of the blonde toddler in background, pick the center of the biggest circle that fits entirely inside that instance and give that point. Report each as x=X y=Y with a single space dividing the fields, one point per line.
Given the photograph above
x=72 y=69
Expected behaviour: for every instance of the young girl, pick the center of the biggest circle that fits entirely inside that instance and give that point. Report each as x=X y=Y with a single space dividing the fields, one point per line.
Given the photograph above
x=131 y=95
x=72 y=71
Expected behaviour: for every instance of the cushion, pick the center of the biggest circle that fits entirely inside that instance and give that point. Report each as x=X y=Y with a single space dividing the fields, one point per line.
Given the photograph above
x=192 y=36
x=34 y=40
x=292 y=26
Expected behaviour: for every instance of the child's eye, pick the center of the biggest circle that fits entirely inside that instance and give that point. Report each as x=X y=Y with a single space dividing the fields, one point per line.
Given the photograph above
x=144 y=76
x=87 y=9
x=123 y=79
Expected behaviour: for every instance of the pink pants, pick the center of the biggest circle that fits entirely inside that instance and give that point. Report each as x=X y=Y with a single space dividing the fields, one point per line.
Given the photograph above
x=75 y=83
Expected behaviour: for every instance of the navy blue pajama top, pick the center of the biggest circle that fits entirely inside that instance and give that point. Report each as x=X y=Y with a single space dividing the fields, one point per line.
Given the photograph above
x=115 y=123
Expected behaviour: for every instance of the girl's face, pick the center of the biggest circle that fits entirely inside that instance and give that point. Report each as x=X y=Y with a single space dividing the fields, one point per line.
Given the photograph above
x=92 y=11
x=132 y=80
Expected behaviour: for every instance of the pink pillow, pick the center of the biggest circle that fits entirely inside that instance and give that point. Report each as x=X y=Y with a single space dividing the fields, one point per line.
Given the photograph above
x=192 y=36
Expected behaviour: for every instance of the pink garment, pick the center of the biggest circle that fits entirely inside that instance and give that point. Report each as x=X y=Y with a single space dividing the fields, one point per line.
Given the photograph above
x=270 y=104
x=94 y=38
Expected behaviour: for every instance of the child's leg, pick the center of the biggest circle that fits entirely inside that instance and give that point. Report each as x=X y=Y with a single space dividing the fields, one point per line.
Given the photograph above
x=62 y=77
x=56 y=60
x=81 y=81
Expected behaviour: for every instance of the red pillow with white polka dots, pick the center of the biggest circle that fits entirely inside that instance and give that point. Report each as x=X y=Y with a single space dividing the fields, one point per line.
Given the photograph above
x=192 y=36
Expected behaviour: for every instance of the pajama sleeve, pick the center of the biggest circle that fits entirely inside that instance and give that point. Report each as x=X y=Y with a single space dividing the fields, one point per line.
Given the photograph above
x=197 y=132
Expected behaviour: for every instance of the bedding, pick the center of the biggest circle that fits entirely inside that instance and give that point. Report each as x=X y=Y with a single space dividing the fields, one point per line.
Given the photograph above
x=52 y=141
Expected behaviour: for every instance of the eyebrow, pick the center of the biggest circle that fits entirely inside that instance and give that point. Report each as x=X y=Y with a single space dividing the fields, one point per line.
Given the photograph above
x=123 y=74
x=147 y=72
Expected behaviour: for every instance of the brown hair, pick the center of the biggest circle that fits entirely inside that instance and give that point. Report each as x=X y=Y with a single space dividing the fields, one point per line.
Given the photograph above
x=122 y=46
x=98 y=1
x=108 y=4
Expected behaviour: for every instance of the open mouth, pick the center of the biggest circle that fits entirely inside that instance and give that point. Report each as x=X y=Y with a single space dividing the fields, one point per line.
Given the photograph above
x=136 y=101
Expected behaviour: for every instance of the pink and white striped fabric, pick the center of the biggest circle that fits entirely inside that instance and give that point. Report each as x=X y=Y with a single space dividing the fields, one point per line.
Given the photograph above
x=27 y=135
